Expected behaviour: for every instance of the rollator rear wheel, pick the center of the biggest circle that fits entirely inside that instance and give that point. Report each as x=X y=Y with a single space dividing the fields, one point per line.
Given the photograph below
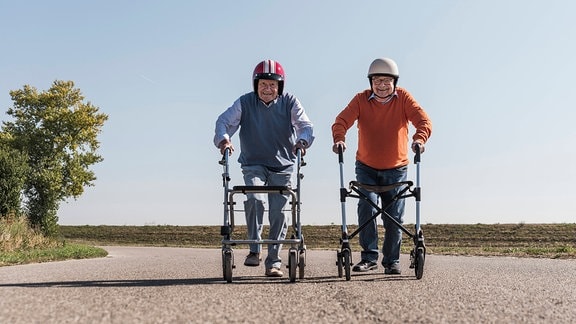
x=301 y=264
x=419 y=266
x=339 y=264
x=227 y=264
x=292 y=263
x=347 y=262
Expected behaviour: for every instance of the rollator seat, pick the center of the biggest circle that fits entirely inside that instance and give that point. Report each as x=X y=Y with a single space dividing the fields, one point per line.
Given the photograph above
x=380 y=189
x=260 y=189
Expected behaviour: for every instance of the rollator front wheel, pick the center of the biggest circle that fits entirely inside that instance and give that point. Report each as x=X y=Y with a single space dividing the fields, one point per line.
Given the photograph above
x=347 y=258
x=227 y=265
x=339 y=264
x=419 y=266
x=292 y=263
x=301 y=264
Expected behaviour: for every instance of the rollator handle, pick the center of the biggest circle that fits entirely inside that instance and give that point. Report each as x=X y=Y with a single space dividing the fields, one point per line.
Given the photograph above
x=417 y=155
x=300 y=157
x=225 y=156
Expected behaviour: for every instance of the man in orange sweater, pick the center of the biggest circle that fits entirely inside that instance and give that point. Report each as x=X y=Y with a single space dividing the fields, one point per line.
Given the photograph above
x=383 y=114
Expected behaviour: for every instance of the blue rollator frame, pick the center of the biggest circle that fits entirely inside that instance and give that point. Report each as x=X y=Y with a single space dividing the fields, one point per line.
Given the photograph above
x=297 y=250
x=405 y=190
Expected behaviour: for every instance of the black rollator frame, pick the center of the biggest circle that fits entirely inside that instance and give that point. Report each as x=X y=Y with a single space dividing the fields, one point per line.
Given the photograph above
x=297 y=250
x=405 y=190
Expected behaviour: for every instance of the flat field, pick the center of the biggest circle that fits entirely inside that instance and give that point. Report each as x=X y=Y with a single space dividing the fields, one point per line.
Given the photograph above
x=519 y=240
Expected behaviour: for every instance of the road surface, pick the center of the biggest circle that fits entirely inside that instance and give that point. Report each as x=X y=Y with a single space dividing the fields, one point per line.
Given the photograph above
x=185 y=285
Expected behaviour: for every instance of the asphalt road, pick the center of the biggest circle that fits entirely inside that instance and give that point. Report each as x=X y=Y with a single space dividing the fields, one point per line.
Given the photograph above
x=182 y=285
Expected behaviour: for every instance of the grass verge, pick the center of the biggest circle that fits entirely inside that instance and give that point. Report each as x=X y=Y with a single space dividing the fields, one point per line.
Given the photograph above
x=20 y=244
x=57 y=253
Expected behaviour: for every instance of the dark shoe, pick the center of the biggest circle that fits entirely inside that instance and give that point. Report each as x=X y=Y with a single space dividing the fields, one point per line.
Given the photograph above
x=274 y=272
x=364 y=266
x=393 y=269
x=253 y=259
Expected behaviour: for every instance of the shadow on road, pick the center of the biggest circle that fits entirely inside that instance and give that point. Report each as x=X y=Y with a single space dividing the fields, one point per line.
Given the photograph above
x=251 y=280
x=118 y=283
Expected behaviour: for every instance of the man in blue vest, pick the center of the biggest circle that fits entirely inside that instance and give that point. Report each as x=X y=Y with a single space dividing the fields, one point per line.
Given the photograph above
x=272 y=124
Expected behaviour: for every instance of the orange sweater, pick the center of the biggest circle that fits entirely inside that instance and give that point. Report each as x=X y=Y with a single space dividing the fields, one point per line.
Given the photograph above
x=383 y=128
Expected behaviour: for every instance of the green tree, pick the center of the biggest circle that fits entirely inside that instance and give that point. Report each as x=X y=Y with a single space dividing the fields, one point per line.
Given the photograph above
x=13 y=170
x=58 y=132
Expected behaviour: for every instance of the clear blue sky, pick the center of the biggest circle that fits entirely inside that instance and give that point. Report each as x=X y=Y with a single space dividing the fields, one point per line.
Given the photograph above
x=496 y=77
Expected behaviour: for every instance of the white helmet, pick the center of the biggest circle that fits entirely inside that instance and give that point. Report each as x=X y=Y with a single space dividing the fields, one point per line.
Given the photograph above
x=383 y=66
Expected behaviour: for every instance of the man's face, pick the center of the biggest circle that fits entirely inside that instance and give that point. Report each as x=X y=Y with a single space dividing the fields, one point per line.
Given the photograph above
x=383 y=86
x=267 y=90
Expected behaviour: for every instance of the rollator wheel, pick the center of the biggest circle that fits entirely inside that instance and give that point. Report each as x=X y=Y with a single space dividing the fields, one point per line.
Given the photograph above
x=301 y=264
x=347 y=262
x=292 y=263
x=419 y=266
x=339 y=264
x=227 y=265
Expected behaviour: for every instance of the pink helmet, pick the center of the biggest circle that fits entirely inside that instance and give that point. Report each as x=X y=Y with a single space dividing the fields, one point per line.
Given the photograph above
x=269 y=70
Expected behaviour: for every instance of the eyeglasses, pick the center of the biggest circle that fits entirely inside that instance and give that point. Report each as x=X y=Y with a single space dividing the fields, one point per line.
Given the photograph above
x=378 y=81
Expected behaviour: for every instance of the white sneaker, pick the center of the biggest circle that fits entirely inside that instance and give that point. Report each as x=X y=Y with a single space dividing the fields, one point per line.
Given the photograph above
x=274 y=272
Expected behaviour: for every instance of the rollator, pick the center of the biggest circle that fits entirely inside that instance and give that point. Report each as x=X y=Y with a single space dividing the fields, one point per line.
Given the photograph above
x=405 y=190
x=297 y=250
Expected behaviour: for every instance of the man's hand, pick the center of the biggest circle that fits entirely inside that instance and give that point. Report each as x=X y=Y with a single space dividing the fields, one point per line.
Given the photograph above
x=224 y=144
x=339 y=143
x=302 y=145
x=418 y=146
